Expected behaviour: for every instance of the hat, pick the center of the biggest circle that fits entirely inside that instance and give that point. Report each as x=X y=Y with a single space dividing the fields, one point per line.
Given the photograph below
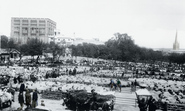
x=92 y=90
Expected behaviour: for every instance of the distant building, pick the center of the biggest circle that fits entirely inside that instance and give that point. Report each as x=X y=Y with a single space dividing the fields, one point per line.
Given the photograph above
x=66 y=41
x=61 y=40
x=176 y=44
x=95 y=41
x=23 y=29
x=6 y=54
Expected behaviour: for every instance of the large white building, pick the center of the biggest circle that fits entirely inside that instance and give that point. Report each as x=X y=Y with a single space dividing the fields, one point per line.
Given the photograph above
x=62 y=40
x=95 y=41
x=23 y=29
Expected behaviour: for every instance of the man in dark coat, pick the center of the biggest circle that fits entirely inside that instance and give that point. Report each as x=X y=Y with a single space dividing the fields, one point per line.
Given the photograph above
x=21 y=100
x=22 y=87
x=28 y=98
x=152 y=105
x=34 y=99
x=70 y=72
x=142 y=105
x=74 y=71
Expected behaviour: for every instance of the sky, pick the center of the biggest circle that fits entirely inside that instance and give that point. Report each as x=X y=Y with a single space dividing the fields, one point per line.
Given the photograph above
x=150 y=23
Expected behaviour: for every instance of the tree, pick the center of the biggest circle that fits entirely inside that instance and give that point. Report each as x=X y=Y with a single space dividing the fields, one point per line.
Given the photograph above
x=35 y=47
x=4 y=41
x=11 y=44
x=57 y=51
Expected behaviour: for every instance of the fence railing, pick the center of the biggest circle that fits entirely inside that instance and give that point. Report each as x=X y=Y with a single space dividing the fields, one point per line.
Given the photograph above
x=171 y=106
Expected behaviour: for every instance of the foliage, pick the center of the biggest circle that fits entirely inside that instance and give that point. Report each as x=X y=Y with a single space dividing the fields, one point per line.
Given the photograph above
x=4 y=41
x=56 y=50
x=177 y=58
x=120 y=47
x=33 y=47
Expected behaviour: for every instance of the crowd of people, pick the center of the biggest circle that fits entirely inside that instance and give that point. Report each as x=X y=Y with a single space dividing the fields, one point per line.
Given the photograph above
x=30 y=98
x=151 y=104
x=115 y=85
x=24 y=97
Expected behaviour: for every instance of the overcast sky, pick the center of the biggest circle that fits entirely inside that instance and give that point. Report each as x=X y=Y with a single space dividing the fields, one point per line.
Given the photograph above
x=150 y=23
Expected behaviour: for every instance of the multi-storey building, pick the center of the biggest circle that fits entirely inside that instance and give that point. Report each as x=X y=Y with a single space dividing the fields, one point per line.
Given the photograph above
x=23 y=29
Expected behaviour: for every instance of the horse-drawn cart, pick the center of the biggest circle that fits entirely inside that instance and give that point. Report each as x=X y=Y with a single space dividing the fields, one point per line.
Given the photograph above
x=81 y=100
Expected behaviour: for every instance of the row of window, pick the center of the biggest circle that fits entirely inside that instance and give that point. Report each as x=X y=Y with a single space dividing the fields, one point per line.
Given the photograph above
x=26 y=24
x=26 y=34
x=32 y=21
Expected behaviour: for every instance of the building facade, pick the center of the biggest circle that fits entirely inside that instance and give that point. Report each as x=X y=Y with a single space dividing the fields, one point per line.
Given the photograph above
x=23 y=29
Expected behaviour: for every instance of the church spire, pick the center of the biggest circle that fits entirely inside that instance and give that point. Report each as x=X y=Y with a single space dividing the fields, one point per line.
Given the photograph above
x=176 y=38
x=176 y=44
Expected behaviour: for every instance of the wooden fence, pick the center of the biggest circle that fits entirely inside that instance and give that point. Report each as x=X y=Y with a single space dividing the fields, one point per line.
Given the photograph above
x=171 y=107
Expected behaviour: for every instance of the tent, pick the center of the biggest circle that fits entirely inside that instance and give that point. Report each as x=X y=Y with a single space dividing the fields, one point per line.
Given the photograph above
x=143 y=92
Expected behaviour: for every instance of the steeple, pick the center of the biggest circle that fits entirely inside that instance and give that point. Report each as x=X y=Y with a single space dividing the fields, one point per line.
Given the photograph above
x=176 y=44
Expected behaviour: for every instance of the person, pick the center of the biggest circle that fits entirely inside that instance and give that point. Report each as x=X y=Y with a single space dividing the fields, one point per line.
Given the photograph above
x=34 y=98
x=119 y=84
x=135 y=84
x=15 y=80
x=111 y=84
x=93 y=103
x=28 y=98
x=70 y=72
x=123 y=74
x=21 y=100
x=152 y=105
x=67 y=73
x=142 y=105
x=74 y=71
x=22 y=87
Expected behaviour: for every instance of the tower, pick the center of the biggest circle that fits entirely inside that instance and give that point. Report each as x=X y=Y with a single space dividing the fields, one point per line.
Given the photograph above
x=176 y=44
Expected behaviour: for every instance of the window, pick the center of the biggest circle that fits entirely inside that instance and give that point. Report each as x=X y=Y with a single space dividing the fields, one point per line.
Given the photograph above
x=41 y=24
x=17 y=21
x=42 y=31
x=16 y=28
x=25 y=30
x=33 y=24
x=33 y=21
x=16 y=33
x=25 y=34
x=24 y=21
x=25 y=24
x=41 y=21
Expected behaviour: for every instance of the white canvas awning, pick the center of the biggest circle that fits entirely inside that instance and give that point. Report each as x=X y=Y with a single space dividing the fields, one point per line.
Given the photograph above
x=143 y=92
